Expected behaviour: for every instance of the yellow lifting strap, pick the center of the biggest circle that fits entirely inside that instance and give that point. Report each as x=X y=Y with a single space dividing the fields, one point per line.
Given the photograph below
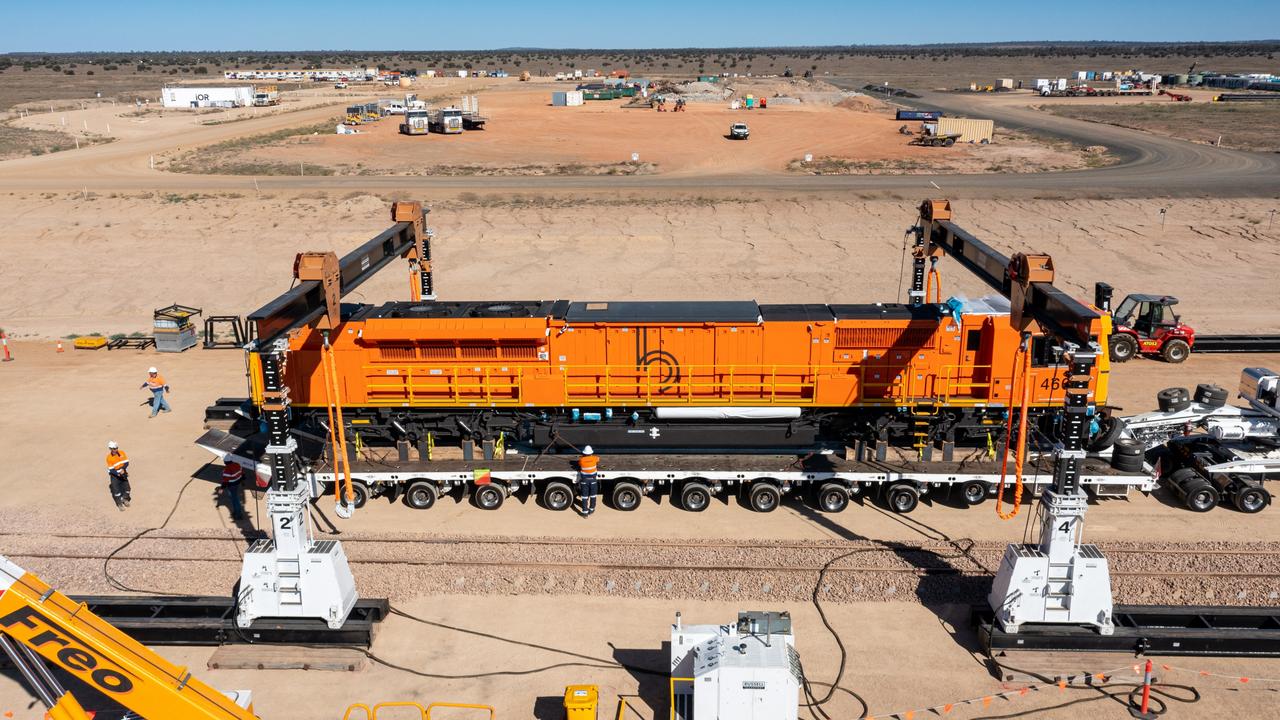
x=1024 y=379
x=337 y=430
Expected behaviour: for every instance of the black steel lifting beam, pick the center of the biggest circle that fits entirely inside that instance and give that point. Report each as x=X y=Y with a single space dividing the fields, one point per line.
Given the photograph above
x=305 y=302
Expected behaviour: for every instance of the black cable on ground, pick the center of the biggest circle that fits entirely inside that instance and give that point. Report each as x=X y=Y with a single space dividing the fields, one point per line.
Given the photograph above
x=106 y=572
x=1160 y=696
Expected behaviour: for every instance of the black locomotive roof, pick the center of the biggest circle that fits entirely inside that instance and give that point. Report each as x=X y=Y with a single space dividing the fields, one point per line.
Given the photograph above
x=725 y=311
x=796 y=312
x=887 y=311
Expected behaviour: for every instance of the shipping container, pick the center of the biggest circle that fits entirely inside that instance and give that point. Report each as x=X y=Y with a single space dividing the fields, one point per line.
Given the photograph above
x=1006 y=83
x=208 y=96
x=918 y=115
x=975 y=130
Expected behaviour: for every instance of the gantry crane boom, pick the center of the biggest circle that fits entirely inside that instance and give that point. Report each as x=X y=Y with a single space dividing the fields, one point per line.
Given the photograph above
x=43 y=621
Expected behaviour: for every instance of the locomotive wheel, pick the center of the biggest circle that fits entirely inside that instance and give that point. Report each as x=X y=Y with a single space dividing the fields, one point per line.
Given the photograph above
x=557 y=495
x=626 y=496
x=764 y=497
x=832 y=498
x=974 y=492
x=1175 y=351
x=903 y=498
x=489 y=497
x=1123 y=347
x=695 y=497
x=1251 y=499
x=420 y=495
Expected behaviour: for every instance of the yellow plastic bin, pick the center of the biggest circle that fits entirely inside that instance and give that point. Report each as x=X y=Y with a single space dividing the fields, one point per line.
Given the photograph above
x=581 y=701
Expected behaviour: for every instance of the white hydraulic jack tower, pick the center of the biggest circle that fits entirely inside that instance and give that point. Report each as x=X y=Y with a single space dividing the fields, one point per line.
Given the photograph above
x=293 y=575
x=1057 y=580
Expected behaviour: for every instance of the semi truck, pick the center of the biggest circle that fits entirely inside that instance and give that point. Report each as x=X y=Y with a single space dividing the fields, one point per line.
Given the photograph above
x=266 y=95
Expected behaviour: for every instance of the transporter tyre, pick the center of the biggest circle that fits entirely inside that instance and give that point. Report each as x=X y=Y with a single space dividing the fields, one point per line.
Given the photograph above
x=1110 y=428
x=832 y=498
x=1127 y=455
x=948 y=142
x=1197 y=493
x=420 y=495
x=1122 y=347
x=1175 y=351
x=764 y=496
x=489 y=497
x=973 y=492
x=360 y=493
x=1173 y=399
x=557 y=495
x=695 y=497
x=626 y=496
x=1251 y=499
x=1211 y=395
x=903 y=498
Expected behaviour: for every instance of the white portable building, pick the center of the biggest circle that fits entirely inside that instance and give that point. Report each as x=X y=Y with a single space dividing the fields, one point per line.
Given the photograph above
x=208 y=96
x=744 y=671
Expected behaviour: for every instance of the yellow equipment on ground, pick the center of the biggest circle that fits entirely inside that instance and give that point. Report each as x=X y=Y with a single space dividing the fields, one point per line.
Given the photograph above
x=581 y=702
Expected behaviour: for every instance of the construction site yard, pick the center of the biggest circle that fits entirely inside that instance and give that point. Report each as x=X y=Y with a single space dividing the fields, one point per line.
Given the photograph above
x=526 y=135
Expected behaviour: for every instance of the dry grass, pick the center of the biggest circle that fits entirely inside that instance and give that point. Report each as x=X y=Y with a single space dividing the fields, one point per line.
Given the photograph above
x=20 y=142
x=1244 y=126
x=227 y=157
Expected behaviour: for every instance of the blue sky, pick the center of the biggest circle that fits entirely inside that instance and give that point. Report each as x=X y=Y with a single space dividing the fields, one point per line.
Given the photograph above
x=69 y=25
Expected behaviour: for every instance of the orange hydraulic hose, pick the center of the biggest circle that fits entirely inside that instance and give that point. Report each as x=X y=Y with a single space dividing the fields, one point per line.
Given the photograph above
x=337 y=432
x=1021 y=455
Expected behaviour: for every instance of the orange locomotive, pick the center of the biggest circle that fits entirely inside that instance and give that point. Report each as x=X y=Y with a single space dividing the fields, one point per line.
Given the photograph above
x=682 y=376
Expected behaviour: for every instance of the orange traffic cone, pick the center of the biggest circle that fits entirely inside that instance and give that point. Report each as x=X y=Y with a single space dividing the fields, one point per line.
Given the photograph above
x=4 y=340
x=60 y=346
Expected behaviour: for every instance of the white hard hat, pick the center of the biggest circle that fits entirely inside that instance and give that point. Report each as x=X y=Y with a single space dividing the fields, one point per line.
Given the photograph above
x=588 y=451
x=112 y=445
x=152 y=369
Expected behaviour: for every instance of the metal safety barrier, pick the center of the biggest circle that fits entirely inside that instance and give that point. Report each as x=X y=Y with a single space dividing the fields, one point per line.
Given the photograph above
x=685 y=709
x=424 y=713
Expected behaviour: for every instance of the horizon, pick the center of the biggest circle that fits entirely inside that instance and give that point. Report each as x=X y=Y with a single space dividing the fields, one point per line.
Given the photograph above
x=507 y=25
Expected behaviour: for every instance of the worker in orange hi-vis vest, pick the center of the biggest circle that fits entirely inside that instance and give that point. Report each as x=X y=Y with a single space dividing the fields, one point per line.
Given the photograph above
x=232 y=474
x=118 y=475
x=588 y=485
x=156 y=384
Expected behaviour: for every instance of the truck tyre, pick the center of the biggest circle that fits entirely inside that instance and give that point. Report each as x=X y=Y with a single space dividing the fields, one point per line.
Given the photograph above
x=764 y=496
x=1127 y=455
x=833 y=498
x=626 y=496
x=1211 y=395
x=1197 y=494
x=1122 y=347
x=1251 y=499
x=420 y=495
x=360 y=493
x=557 y=495
x=948 y=142
x=1110 y=428
x=973 y=492
x=488 y=497
x=1176 y=351
x=1173 y=399
x=695 y=497
x=903 y=498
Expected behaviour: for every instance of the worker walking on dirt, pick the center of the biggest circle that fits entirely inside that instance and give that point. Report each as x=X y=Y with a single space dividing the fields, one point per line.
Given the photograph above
x=588 y=485
x=156 y=384
x=232 y=474
x=118 y=474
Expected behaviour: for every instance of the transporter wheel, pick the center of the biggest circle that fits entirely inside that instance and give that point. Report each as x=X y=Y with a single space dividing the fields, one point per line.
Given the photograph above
x=557 y=495
x=973 y=492
x=1211 y=395
x=626 y=496
x=489 y=497
x=833 y=498
x=764 y=497
x=360 y=493
x=1123 y=347
x=1197 y=494
x=420 y=494
x=695 y=497
x=1110 y=428
x=1173 y=399
x=903 y=498
x=948 y=142
x=1127 y=455
x=1251 y=499
x=1175 y=351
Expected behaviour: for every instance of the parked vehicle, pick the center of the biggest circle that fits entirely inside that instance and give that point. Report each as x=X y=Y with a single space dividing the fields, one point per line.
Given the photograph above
x=739 y=131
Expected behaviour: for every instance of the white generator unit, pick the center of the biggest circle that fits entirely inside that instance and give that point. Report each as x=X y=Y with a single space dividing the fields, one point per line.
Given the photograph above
x=748 y=670
x=209 y=96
